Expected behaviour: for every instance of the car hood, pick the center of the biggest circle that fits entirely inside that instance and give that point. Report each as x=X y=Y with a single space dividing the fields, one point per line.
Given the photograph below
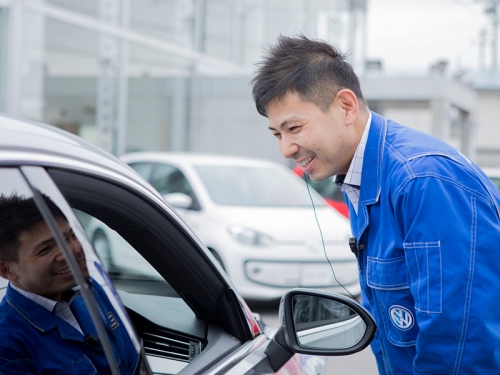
x=291 y=224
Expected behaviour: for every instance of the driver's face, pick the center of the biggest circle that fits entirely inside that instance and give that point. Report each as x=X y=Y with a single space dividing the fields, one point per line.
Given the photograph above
x=41 y=267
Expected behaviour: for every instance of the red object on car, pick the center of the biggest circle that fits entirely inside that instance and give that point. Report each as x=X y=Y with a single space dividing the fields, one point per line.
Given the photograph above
x=328 y=190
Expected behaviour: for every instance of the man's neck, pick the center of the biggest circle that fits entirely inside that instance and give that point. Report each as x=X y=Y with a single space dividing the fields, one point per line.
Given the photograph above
x=52 y=297
x=360 y=123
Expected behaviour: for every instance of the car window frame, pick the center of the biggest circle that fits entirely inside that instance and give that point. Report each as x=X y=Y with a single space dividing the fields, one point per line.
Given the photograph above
x=68 y=180
x=232 y=325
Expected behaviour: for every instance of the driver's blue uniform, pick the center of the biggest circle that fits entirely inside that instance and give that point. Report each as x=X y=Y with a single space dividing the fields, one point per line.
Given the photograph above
x=428 y=233
x=34 y=340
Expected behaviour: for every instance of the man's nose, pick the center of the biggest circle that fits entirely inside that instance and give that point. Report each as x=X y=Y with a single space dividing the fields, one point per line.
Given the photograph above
x=75 y=246
x=288 y=147
x=60 y=257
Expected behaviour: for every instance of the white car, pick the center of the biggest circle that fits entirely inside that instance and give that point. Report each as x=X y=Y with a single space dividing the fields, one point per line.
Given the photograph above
x=257 y=219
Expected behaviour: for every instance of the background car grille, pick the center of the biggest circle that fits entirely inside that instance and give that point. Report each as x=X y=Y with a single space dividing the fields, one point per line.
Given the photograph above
x=166 y=344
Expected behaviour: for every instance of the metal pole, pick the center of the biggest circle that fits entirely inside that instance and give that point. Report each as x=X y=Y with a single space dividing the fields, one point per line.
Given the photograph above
x=122 y=115
x=107 y=79
x=492 y=10
x=482 y=49
x=494 y=37
x=15 y=47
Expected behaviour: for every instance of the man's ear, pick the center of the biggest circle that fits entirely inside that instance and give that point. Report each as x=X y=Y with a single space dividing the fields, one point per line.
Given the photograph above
x=349 y=104
x=6 y=270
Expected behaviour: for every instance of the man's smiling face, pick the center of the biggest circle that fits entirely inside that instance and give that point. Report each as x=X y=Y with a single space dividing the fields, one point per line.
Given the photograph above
x=41 y=267
x=322 y=143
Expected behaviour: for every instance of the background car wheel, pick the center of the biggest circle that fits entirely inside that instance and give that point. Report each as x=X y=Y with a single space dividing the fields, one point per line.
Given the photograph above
x=218 y=258
x=103 y=249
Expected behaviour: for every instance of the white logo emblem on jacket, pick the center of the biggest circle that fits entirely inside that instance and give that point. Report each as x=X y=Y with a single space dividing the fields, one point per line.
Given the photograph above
x=401 y=317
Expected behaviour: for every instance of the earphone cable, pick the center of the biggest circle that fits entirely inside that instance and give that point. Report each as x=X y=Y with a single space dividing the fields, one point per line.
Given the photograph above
x=322 y=239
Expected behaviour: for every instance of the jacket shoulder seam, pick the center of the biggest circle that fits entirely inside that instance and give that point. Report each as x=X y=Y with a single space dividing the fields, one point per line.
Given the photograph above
x=438 y=176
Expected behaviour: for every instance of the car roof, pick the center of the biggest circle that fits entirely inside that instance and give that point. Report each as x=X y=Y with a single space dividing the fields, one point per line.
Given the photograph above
x=188 y=158
x=25 y=142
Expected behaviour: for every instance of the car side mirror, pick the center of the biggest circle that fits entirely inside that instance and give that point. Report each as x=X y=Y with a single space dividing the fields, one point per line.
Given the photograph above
x=179 y=200
x=320 y=323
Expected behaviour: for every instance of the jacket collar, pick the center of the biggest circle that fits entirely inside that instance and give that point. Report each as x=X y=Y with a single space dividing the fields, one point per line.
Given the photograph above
x=371 y=174
x=39 y=317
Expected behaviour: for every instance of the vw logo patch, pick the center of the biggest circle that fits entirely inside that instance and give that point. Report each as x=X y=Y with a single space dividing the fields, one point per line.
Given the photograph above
x=401 y=317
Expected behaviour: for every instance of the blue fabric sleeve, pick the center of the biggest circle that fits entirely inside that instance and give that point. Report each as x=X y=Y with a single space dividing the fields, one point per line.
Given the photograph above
x=451 y=234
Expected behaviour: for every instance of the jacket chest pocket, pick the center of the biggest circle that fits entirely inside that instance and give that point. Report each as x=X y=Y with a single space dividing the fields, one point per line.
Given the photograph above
x=82 y=366
x=392 y=299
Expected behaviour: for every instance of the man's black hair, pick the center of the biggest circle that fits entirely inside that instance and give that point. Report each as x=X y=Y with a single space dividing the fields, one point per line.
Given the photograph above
x=313 y=69
x=17 y=215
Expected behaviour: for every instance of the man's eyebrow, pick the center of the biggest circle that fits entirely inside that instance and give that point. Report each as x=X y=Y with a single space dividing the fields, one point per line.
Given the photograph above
x=285 y=122
x=43 y=243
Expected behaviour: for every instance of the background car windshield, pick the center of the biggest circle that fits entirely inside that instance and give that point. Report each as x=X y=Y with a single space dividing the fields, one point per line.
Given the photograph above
x=255 y=186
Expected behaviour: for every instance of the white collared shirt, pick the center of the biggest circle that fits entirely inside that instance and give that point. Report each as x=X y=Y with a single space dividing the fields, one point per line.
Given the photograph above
x=352 y=179
x=61 y=309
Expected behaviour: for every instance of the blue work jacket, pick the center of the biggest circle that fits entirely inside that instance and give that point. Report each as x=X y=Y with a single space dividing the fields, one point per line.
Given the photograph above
x=33 y=340
x=428 y=239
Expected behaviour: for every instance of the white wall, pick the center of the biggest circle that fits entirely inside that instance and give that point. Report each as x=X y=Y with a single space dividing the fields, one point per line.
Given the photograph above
x=488 y=128
x=416 y=118
x=488 y=119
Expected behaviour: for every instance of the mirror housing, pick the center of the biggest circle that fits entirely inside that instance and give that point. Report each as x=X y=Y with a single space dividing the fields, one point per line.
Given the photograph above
x=288 y=337
x=179 y=200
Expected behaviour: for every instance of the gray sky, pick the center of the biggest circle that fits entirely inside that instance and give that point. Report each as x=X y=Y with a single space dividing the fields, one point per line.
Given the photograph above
x=410 y=35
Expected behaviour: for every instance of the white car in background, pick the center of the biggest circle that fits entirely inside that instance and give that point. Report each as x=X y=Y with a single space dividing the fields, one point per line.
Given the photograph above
x=257 y=219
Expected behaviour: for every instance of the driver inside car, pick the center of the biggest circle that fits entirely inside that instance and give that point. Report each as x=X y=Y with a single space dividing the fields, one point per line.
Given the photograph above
x=45 y=327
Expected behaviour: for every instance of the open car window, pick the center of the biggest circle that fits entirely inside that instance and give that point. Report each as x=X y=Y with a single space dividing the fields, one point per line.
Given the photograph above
x=65 y=316
x=152 y=303
x=161 y=299
x=120 y=260
x=176 y=298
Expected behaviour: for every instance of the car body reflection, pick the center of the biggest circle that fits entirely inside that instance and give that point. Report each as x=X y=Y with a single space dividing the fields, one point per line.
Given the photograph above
x=338 y=335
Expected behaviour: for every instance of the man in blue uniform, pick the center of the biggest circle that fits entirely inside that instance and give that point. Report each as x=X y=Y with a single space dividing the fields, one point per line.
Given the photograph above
x=45 y=327
x=425 y=218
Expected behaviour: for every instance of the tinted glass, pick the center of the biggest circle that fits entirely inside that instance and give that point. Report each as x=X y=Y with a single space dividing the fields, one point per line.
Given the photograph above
x=253 y=186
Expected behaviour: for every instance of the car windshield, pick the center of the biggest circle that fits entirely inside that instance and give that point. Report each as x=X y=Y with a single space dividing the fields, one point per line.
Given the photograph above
x=255 y=186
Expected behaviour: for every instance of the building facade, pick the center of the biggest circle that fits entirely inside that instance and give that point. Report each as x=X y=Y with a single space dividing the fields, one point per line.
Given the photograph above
x=131 y=74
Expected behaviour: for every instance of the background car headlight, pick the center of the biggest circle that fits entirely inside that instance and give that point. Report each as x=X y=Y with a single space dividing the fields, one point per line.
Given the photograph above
x=250 y=237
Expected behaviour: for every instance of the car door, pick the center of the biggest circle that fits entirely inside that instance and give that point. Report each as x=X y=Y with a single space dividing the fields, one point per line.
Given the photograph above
x=186 y=324
x=185 y=296
x=181 y=303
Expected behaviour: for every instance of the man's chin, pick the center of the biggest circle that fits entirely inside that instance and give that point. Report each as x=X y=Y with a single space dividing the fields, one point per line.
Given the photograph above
x=318 y=177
